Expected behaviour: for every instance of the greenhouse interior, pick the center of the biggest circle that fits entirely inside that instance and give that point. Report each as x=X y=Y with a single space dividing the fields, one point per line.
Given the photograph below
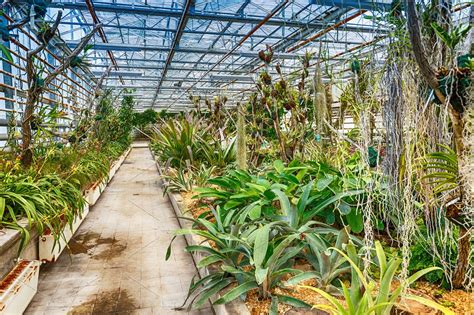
x=237 y=157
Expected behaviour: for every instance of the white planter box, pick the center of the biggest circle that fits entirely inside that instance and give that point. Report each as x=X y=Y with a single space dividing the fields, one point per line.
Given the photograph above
x=18 y=287
x=112 y=172
x=93 y=194
x=49 y=250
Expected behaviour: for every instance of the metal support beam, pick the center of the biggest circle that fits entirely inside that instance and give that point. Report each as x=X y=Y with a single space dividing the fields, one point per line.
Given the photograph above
x=187 y=69
x=190 y=50
x=213 y=16
x=177 y=38
x=173 y=88
x=193 y=31
x=325 y=31
x=381 y=5
x=95 y=18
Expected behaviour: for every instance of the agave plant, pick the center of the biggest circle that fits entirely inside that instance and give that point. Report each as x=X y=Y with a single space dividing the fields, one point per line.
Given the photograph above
x=185 y=180
x=328 y=266
x=366 y=296
x=254 y=256
x=217 y=154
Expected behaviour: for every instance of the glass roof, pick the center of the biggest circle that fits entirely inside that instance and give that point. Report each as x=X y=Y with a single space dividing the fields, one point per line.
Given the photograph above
x=169 y=50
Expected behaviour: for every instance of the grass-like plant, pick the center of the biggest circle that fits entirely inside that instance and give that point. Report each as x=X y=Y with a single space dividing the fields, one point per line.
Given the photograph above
x=48 y=203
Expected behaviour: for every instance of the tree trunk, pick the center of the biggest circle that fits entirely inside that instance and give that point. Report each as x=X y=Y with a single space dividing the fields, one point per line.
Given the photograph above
x=32 y=99
x=462 y=263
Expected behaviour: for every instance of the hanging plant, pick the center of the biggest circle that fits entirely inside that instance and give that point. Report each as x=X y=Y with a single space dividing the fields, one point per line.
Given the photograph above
x=4 y=31
x=35 y=122
x=456 y=82
x=355 y=66
x=266 y=55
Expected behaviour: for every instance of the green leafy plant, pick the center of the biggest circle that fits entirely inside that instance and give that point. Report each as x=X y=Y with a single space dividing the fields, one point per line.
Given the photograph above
x=177 y=143
x=48 y=203
x=145 y=118
x=297 y=193
x=214 y=153
x=452 y=37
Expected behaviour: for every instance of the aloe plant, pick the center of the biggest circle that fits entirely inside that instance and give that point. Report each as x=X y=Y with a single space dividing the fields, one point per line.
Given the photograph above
x=364 y=296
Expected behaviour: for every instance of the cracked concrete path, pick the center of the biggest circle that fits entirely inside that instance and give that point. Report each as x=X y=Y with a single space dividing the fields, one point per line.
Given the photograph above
x=115 y=264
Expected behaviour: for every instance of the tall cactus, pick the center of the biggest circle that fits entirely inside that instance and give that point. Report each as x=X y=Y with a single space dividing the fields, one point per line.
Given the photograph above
x=241 y=140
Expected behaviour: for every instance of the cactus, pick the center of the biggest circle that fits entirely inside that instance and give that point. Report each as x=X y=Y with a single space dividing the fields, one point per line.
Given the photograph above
x=241 y=141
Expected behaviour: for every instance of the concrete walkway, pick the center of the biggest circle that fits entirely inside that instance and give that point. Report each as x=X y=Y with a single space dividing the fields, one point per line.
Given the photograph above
x=116 y=264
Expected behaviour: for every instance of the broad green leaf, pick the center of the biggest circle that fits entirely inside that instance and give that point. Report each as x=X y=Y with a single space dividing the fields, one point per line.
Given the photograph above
x=429 y=303
x=324 y=182
x=206 y=261
x=245 y=195
x=168 y=250
x=260 y=188
x=301 y=277
x=206 y=294
x=232 y=204
x=255 y=212
x=261 y=245
x=293 y=301
x=6 y=53
x=303 y=201
x=355 y=220
x=2 y=207
x=260 y=274
x=278 y=165
x=274 y=306
x=284 y=202
x=201 y=248
x=237 y=291
x=310 y=214
x=343 y=207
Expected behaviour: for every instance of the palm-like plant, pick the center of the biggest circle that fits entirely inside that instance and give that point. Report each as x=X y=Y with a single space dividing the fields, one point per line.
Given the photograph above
x=443 y=170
